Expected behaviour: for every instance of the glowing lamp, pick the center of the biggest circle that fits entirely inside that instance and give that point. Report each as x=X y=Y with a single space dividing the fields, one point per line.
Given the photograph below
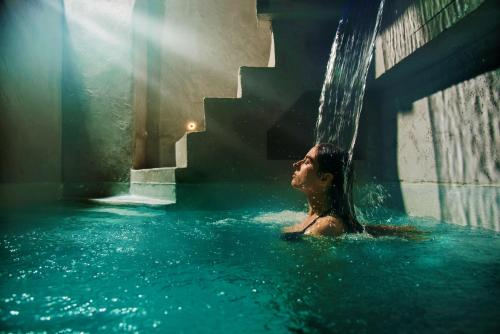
x=191 y=126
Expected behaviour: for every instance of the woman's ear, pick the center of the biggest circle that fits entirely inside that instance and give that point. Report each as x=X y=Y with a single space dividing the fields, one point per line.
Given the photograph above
x=326 y=177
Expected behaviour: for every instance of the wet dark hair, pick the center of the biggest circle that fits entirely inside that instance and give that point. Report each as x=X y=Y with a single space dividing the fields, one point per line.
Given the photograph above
x=331 y=159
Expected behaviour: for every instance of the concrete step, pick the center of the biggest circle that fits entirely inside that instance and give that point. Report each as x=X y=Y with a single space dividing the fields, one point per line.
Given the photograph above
x=154 y=183
x=305 y=9
x=131 y=200
x=301 y=50
x=234 y=145
x=153 y=175
x=257 y=82
x=273 y=86
x=239 y=115
x=293 y=133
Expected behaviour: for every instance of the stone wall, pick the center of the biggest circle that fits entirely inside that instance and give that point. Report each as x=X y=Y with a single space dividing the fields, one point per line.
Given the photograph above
x=97 y=95
x=66 y=102
x=410 y=24
x=450 y=139
x=439 y=121
x=30 y=100
x=77 y=75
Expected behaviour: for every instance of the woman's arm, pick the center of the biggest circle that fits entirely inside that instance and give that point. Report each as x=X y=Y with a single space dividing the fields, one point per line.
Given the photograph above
x=390 y=230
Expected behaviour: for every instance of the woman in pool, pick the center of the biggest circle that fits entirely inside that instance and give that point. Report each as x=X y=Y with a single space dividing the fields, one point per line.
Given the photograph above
x=325 y=177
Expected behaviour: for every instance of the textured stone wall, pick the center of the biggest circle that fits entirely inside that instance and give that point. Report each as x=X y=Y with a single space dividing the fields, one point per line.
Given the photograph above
x=412 y=23
x=30 y=101
x=455 y=134
x=30 y=92
x=442 y=147
x=65 y=101
x=451 y=139
x=465 y=129
x=97 y=92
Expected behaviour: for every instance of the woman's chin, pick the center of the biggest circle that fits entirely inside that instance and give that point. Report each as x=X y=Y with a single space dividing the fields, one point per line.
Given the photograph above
x=295 y=184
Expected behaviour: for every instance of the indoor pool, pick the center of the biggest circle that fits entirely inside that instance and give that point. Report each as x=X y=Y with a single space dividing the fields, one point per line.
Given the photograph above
x=88 y=268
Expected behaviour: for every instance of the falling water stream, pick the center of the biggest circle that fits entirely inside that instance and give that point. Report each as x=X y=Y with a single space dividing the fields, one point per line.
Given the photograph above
x=344 y=86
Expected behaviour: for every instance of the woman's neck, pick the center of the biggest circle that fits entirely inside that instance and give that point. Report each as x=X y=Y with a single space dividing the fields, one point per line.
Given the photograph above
x=319 y=204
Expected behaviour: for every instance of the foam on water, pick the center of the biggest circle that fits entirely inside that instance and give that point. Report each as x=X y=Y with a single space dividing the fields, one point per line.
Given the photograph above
x=285 y=217
x=122 y=212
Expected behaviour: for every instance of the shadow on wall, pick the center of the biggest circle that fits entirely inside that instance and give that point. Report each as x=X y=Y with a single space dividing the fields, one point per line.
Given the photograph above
x=75 y=110
x=147 y=61
x=140 y=86
x=433 y=111
x=96 y=97
x=3 y=132
x=376 y=147
x=156 y=12
x=30 y=66
x=464 y=121
x=293 y=134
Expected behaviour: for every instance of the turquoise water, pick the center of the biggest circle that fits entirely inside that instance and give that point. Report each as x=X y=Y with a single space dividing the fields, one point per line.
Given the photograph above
x=83 y=268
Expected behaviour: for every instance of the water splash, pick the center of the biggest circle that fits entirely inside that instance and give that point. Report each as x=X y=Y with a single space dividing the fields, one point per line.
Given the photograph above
x=344 y=86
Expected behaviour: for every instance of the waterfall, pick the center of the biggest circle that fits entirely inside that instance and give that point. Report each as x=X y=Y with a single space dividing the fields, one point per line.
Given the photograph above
x=344 y=86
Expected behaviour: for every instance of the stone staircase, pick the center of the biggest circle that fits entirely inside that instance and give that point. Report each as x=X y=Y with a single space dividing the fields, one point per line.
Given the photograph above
x=151 y=187
x=235 y=147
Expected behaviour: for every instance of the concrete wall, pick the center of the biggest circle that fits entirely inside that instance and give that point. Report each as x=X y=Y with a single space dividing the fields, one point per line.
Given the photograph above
x=97 y=95
x=30 y=100
x=440 y=141
x=456 y=132
x=449 y=140
x=410 y=24
x=203 y=44
x=66 y=98
x=74 y=73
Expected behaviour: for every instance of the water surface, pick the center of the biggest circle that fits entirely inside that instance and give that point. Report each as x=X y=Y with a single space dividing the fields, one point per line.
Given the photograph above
x=83 y=268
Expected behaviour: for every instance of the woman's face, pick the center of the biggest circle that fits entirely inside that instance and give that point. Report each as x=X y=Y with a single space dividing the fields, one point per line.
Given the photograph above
x=306 y=177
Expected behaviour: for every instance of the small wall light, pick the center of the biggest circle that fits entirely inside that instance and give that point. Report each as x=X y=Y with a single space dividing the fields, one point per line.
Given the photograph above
x=191 y=126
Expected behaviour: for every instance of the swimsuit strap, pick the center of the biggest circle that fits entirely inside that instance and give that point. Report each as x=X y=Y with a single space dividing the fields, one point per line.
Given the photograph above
x=327 y=213
x=292 y=236
x=310 y=224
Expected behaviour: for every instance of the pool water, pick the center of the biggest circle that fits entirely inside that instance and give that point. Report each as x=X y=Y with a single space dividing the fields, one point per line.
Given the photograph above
x=86 y=268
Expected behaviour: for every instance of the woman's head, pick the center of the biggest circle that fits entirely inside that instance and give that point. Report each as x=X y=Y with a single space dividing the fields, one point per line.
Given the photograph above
x=321 y=169
x=326 y=170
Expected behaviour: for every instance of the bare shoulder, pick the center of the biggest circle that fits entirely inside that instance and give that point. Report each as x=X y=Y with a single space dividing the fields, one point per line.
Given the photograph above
x=328 y=226
x=298 y=227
